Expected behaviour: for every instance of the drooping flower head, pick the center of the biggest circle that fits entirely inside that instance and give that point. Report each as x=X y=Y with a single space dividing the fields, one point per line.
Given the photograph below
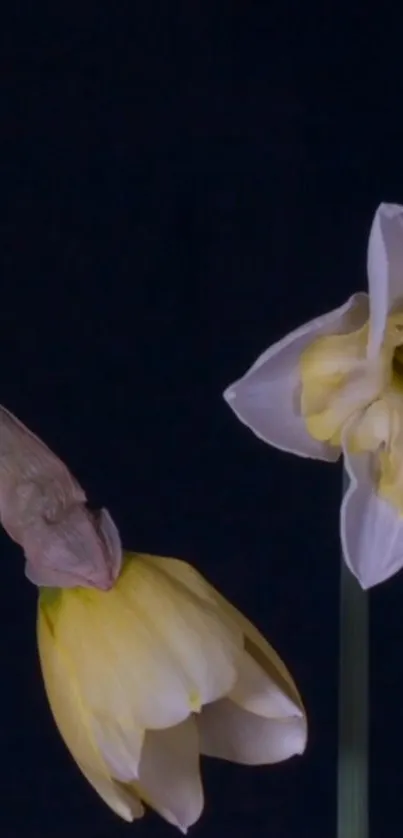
x=336 y=385
x=145 y=677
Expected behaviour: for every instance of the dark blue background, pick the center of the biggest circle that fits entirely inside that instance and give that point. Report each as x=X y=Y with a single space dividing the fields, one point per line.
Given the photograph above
x=181 y=184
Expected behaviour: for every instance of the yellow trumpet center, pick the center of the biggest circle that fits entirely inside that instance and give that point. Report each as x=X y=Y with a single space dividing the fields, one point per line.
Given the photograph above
x=339 y=383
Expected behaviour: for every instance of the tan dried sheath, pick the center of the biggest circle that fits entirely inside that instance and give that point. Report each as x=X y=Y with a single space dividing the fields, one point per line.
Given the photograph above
x=43 y=508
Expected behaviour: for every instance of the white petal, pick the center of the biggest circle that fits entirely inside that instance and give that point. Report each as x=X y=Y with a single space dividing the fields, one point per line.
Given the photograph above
x=228 y=732
x=385 y=272
x=120 y=746
x=169 y=778
x=257 y=692
x=371 y=529
x=266 y=398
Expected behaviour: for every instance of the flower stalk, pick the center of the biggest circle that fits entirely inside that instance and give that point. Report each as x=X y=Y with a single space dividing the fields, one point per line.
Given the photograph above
x=353 y=756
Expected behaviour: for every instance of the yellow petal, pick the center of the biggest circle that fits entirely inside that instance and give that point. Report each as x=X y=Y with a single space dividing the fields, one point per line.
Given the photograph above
x=337 y=381
x=264 y=654
x=122 y=799
x=259 y=693
x=149 y=651
x=325 y=363
x=254 y=643
x=207 y=642
x=371 y=429
x=72 y=719
x=390 y=457
x=379 y=429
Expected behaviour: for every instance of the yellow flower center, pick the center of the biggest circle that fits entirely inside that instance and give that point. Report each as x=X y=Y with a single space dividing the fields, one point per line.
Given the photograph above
x=340 y=384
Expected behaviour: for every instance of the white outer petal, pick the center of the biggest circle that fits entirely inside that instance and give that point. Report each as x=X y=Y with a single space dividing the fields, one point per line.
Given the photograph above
x=229 y=732
x=385 y=270
x=266 y=398
x=371 y=529
x=169 y=773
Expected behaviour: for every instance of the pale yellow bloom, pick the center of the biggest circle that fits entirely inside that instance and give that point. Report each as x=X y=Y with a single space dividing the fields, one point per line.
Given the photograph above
x=336 y=385
x=143 y=678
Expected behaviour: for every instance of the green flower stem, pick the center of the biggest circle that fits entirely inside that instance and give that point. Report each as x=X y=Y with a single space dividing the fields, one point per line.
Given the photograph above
x=352 y=791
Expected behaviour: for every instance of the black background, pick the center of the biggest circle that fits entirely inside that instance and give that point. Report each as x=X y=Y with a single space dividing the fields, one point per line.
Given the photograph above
x=181 y=184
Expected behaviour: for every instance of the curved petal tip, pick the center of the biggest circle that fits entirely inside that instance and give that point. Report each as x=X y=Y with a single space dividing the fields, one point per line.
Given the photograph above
x=267 y=398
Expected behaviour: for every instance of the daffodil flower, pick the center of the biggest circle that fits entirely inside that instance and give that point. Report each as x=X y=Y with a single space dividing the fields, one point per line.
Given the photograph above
x=145 y=677
x=336 y=385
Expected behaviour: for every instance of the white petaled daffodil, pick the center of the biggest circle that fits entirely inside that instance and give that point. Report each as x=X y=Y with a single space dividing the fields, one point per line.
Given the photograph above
x=145 y=677
x=335 y=386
